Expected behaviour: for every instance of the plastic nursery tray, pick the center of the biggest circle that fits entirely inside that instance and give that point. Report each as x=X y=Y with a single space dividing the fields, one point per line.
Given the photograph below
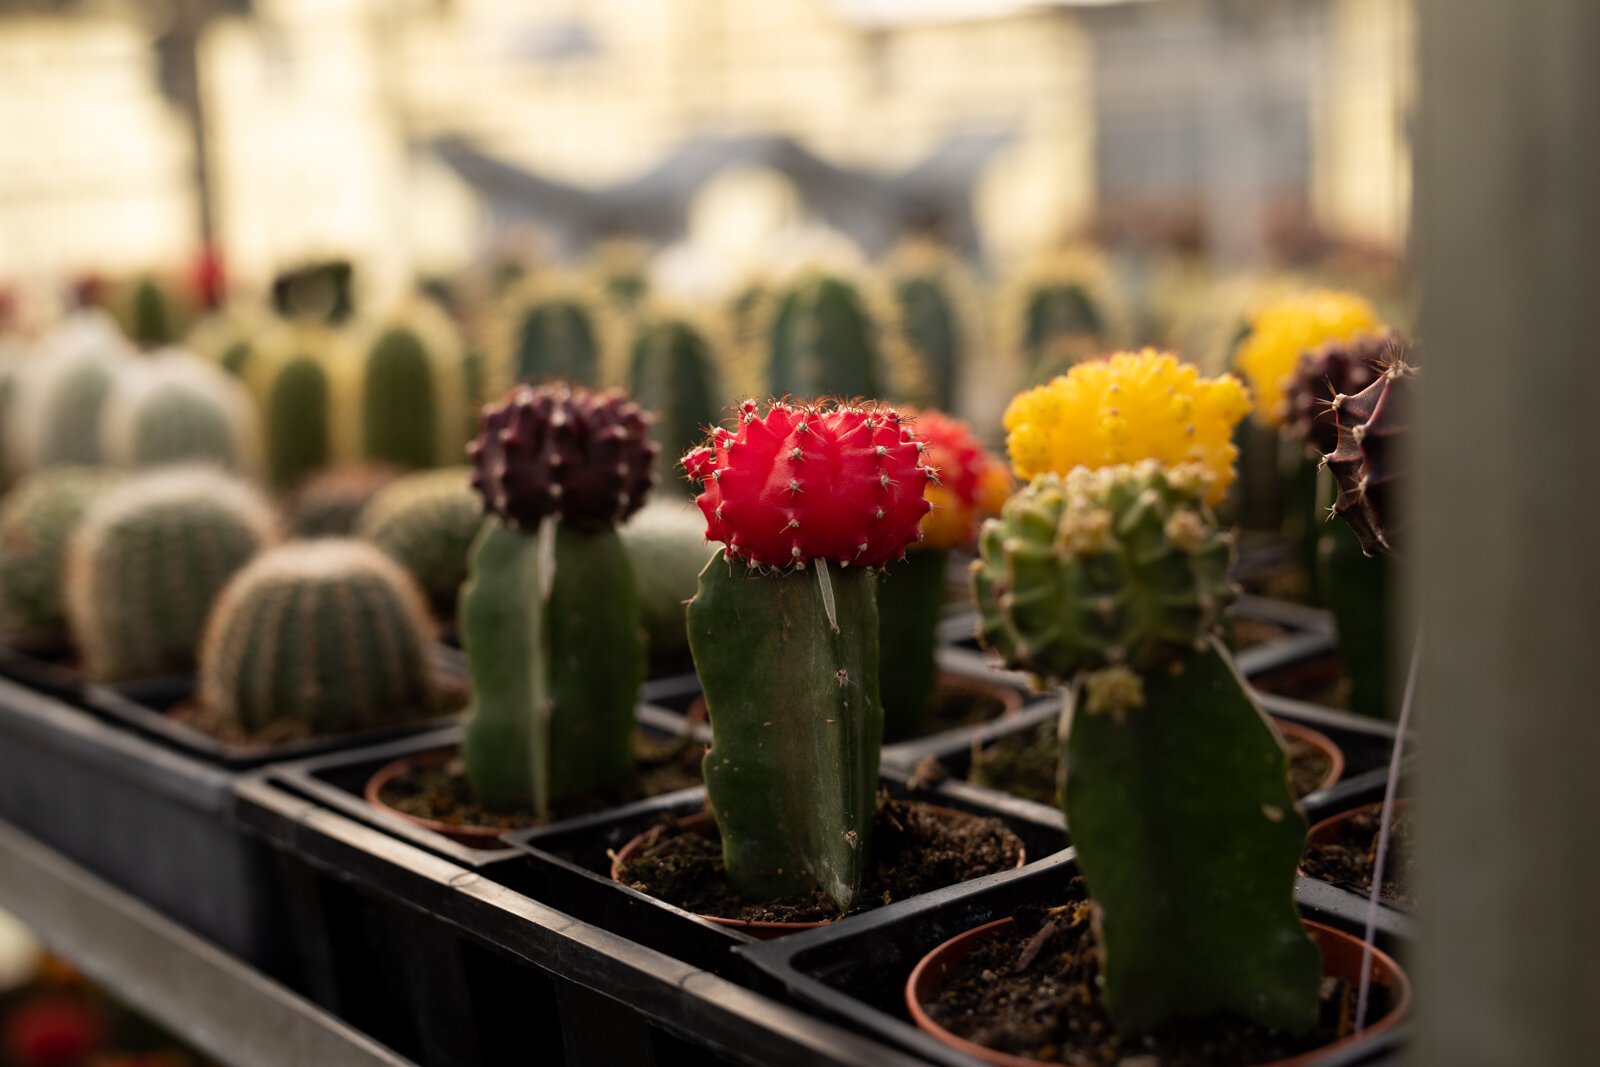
x=454 y=966
x=856 y=973
x=153 y=821
x=338 y=781
x=50 y=672
x=574 y=860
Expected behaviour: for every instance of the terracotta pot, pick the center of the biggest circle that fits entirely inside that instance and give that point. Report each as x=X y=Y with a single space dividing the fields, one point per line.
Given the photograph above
x=1331 y=830
x=1290 y=729
x=1009 y=698
x=472 y=836
x=1341 y=958
x=701 y=823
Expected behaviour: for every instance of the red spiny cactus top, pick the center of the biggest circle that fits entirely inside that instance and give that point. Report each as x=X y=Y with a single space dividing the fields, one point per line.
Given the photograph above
x=841 y=482
x=585 y=458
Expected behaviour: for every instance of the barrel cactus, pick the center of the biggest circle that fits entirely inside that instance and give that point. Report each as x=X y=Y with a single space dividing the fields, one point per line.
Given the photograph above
x=1114 y=580
x=62 y=392
x=37 y=520
x=812 y=500
x=427 y=523
x=318 y=637
x=174 y=407
x=673 y=375
x=667 y=547
x=330 y=502
x=412 y=387
x=822 y=342
x=147 y=563
x=550 y=583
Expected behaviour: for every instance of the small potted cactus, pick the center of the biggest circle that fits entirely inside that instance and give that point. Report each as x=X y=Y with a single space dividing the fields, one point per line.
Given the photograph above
x=970 y=485
x=809 y=502
x=427 y=521
x=550 y=622
x=1186 y=936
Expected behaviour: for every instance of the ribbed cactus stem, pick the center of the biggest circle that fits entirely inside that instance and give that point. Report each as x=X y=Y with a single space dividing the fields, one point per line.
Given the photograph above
x=928 y=321
x=555 y=341
x=822 y=342
x=1188 y=837
x=796 y=724
x=400 y=415
x=674 y=378
x=910 y=597
x=299 y=432
x=1358 y=590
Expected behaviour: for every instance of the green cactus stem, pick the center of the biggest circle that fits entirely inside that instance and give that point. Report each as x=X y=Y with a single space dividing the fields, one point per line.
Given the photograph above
x=674 y=378
x=1359 y=593
x=175 y=407
x=667 y=547
x=910 y=598
x=821 y=343
x=318 y=637
x=555 y=340
x=792 y=773
x=928 y=322
x=551 y=721
x=427 y=521
x=299 y=405
x=1188 y=837
x=400 y=417
x=37 y=520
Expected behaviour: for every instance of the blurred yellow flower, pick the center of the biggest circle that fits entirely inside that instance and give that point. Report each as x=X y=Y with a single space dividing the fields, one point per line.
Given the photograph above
x=1280 y=332
x=1126 y=408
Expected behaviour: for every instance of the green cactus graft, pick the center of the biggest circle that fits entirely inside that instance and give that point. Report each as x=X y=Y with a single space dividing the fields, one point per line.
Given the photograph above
x=796 y=725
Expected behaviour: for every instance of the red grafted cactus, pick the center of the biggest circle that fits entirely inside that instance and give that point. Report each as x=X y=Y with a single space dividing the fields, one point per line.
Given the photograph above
x=835 y=481
x=1366 y=464
x=585 y=458
x=1323 y=373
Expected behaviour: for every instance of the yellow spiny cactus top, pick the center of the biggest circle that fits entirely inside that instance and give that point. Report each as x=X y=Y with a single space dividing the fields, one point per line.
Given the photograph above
x=1280 y=332
x=1129 y=407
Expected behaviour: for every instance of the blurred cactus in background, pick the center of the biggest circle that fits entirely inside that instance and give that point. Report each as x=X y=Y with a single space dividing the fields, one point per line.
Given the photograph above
x=296 y=380
x=1060 y=311
x=147 y=562
x=412 y=391
x=667 y=546
x=427 y=523
x=821 y=342
x=674 y=376
x=329 y=502
x=37 y=520
x=552 y=334
x=174 y=407
x=61 y=392
x=926 y=282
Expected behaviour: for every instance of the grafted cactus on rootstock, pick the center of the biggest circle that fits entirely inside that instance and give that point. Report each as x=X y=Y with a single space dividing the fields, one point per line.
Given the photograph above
x=1323 y=373
x=1367 y=464
x=822 y=341
x=550 y=584
x=1114 y=579
x=971 y=486
x=811 y=500
x=318 y=637
x=150 y=560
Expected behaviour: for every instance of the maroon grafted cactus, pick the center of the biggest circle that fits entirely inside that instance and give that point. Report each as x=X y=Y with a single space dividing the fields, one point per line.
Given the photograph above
x=555 y=452
x=841 y=482
x=1338 y=367
x=1366 y=463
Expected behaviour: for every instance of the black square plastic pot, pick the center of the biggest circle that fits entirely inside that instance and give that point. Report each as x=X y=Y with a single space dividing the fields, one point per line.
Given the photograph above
x=573 y=861
x=452 y=965
x=855 y=974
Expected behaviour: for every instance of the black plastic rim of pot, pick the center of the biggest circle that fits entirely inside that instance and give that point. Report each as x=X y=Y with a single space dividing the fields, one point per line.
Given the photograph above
x=141 y=706
x=337 y=780
x=40 y=672
x=817 y=967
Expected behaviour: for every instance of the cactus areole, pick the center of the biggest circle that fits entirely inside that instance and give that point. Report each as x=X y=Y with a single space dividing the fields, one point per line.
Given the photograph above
x=812 y=500
x=1366 y=464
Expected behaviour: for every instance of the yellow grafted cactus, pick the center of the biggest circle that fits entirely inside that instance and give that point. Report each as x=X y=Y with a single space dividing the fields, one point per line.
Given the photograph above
x=1129 y=407
x=1282 y=331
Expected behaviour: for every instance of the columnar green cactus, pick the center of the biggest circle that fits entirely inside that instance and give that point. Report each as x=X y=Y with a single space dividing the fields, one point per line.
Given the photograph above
x=328 y=636
x=929 y=324
x=37 y=520
x=1059 y=312
x=787 y=645
x=411 y=391
x=149 y=560
x=554 y=337
x=550 y=584
x=62 y=392
x=174 y=407
x=1114 y=579
x=822 y=342
x=297 y=390
x=427 y=522
x=674 y=377
x=667 y=546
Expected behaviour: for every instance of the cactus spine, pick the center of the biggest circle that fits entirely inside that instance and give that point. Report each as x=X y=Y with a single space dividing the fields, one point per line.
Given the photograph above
x=37 y=520
x=550 y=584
x=146 y=565
x=173 y=407
x=789 y=660
x=672 y=376
x=328 y=636
x=821 y=342
x=427 y=523
x=1115 y=580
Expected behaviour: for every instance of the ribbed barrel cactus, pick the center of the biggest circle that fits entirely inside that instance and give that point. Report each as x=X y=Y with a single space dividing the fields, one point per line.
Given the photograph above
x=550 y=587
x=1060 y=312
x=37 y=520
x=318 y=637
x=821 y=341
x=667 y=546
x=925 y=281
x=330 y=502
x=427 y=522
x=174 y=407
x=1114 y=580
x=149 y=560
x=62 y=392
x=812 y=501
x=971 y=486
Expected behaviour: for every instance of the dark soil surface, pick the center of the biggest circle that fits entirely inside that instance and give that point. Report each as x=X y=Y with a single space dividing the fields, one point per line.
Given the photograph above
x=1025 y=765
x=440 y=791
x=953 y=706
x=1034 y=993
x=1349 y=861
x=916 y=849
x=1319 y=680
